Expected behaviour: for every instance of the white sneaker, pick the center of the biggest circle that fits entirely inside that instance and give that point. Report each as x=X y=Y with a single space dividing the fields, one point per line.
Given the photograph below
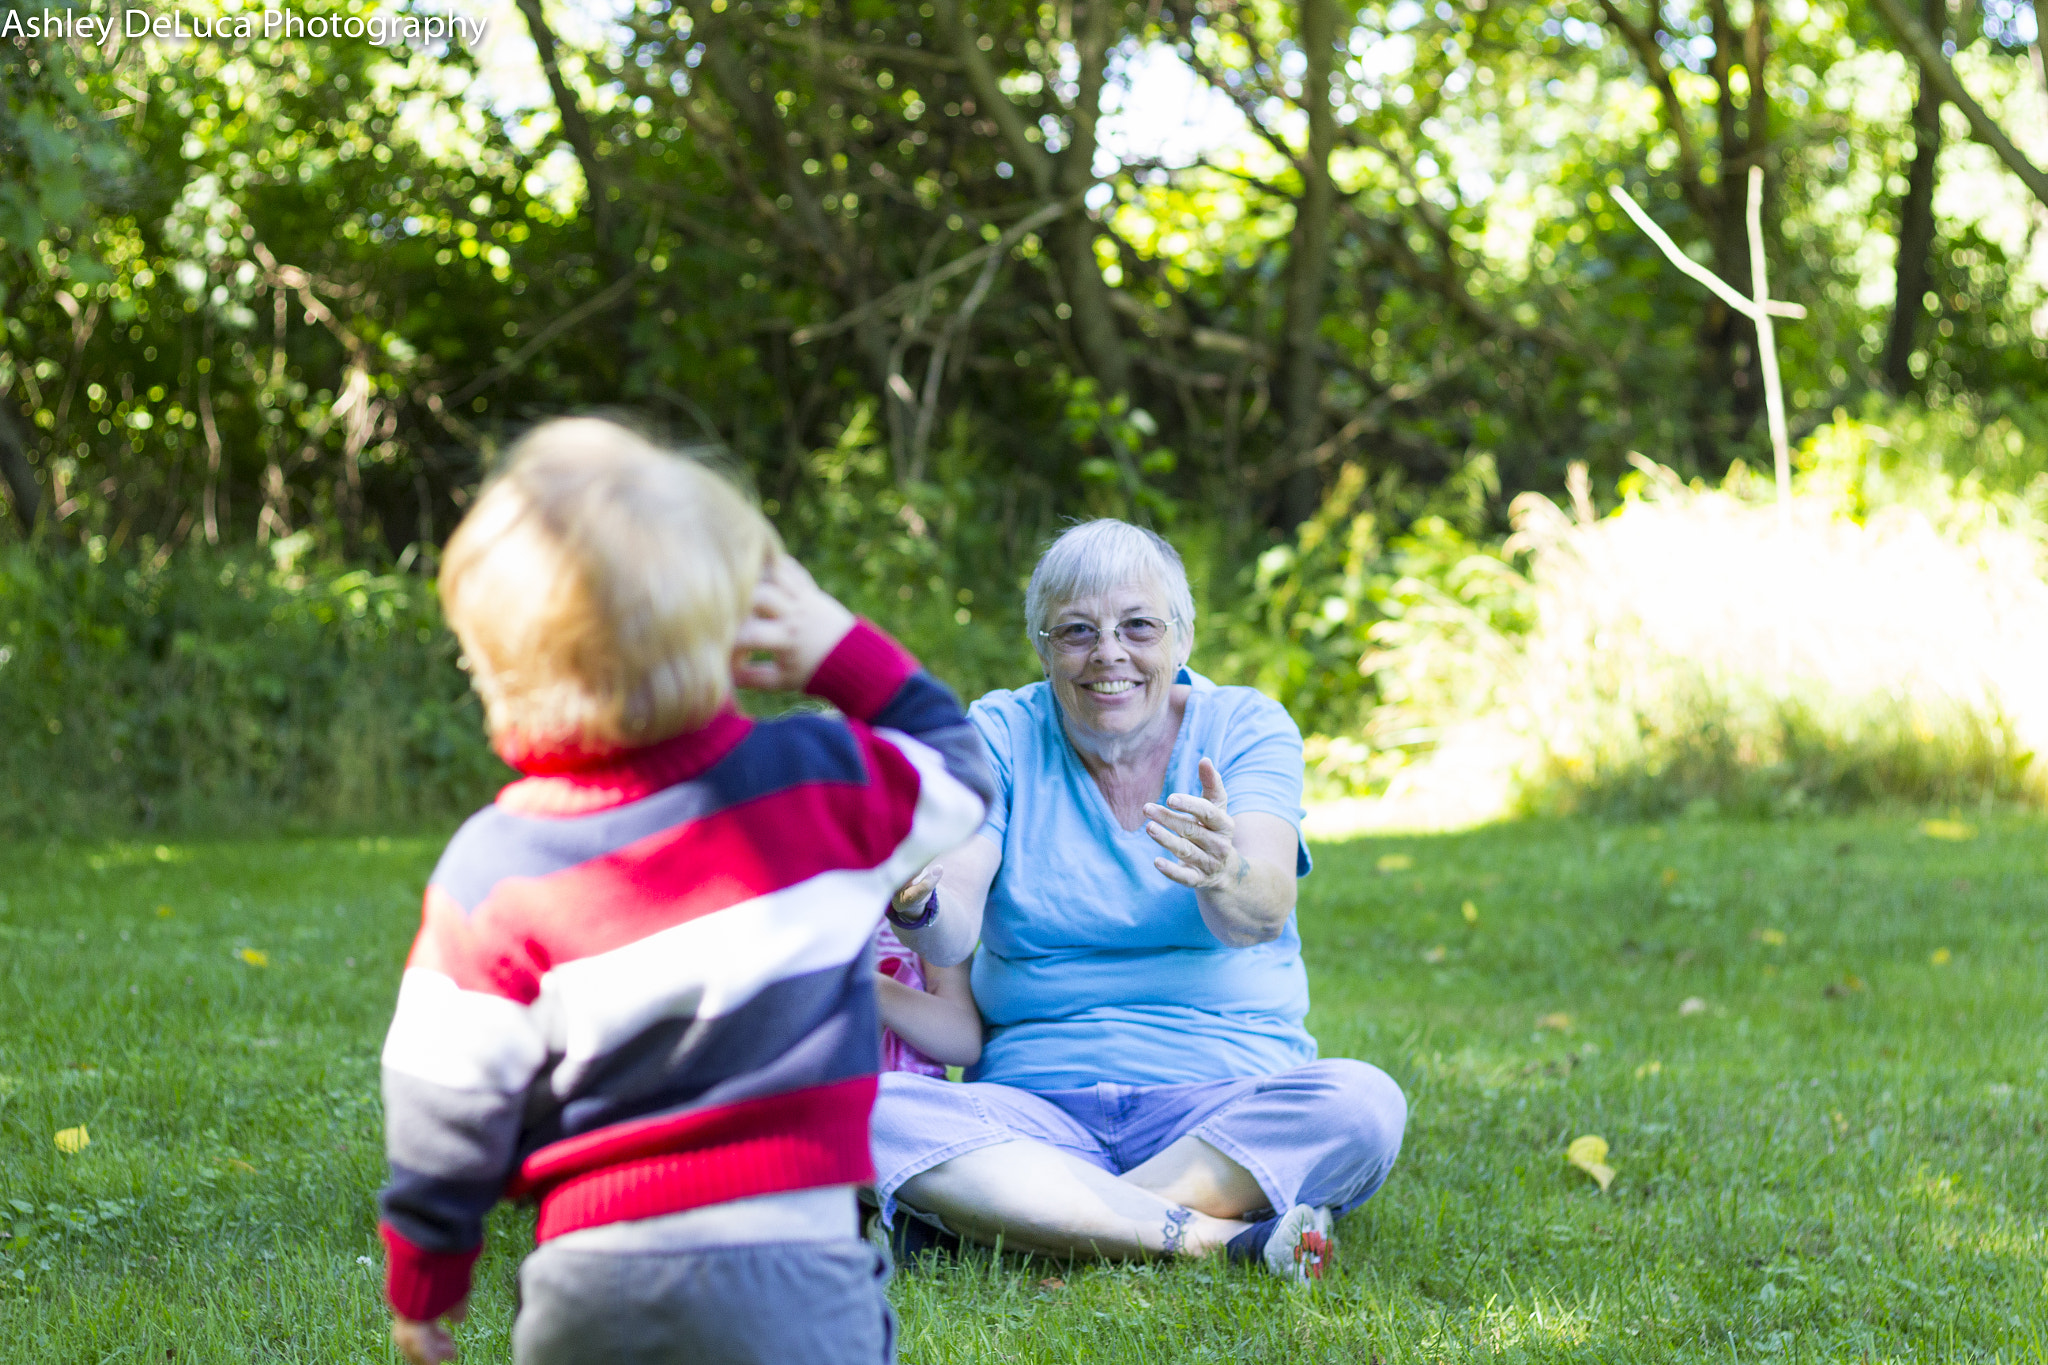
x=1300 y=1249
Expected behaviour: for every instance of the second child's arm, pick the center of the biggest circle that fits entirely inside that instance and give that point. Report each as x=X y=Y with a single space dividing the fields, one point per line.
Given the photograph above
x=940 y=1021
x=961 y=879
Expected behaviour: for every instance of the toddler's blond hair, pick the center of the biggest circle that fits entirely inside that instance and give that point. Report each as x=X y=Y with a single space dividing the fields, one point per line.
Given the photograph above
x=597 y=586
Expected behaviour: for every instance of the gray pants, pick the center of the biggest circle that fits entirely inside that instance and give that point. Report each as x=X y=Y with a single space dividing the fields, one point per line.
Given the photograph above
x=765 y=1303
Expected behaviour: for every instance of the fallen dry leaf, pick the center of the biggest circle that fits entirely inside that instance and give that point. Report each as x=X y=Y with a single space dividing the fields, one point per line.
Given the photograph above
x=1470 y=912
x=1955 y=831
x=1939 y=957
x=1692 y=1004
x=1589 y=1154
x=72 y=1141
x=1395 y=862
x=1773 y=937
x=1648 y=1069
x=1559 y=1021
x=1435 y=955
x=1054 y=1283
x=255 y=957
x=1670 y=876
x=163 y=912
x=242 y=1165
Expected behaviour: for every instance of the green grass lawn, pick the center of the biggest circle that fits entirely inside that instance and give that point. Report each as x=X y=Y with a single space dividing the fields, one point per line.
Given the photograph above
x=1839 y=1157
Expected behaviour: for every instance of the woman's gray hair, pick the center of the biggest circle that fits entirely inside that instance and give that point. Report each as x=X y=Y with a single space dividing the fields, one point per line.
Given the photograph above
x=1100 y=556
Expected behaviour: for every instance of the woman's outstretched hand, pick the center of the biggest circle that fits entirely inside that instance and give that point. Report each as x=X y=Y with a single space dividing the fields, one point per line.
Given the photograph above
x=1199 y=832
x=795 y=625
x=1240 y=869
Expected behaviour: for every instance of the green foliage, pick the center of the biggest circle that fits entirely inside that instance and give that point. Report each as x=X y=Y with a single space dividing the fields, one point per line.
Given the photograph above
x=223 y=690
x=1377 y=567
x=935 y=564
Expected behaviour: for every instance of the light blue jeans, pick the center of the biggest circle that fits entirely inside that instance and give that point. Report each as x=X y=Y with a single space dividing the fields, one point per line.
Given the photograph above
x=1326 y=1133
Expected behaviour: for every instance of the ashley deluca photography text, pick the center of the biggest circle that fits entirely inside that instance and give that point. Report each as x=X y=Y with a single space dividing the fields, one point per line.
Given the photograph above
x=138 y=22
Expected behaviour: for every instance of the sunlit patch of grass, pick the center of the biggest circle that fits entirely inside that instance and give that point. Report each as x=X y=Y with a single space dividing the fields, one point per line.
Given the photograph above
x=1799 y=1175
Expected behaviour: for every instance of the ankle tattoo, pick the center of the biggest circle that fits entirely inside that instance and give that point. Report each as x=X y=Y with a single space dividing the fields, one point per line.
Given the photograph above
x=1173 y=1235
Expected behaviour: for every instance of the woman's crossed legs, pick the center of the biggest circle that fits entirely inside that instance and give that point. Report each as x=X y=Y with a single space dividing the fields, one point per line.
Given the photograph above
x=1127 y=1171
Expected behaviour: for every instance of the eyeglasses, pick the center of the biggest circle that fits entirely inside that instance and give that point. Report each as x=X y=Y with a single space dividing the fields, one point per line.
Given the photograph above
x=1078 y=637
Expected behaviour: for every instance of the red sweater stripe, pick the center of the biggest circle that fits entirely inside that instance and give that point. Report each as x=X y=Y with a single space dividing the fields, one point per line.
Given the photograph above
x=669 y=878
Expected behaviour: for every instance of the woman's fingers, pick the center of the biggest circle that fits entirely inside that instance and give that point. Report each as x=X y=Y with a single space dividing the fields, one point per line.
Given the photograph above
x=1205 y=861
x=1180 y=872
x=1212 y=784
x=1193 y=813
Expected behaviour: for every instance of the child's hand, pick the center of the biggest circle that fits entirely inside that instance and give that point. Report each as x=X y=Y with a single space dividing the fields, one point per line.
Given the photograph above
x=911 y=896
x=426 y=1343
x=795 y=623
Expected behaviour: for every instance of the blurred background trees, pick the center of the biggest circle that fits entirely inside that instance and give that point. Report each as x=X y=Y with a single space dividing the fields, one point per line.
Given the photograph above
x=1316 y=288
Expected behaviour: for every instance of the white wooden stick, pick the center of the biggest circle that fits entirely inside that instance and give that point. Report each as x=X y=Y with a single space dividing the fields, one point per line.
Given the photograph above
x=1759 y=310
x=1767 y=349
x=1699 y=272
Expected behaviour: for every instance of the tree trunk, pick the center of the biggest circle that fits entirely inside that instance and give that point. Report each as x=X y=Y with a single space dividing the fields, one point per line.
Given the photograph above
x=575 y=127
x=19 y=475
x=839 y=257
x=1308 y=270
x=1069 y=173
x=1729 y=402
x=614 y=252
x=1916 y=227
x=1096 y=334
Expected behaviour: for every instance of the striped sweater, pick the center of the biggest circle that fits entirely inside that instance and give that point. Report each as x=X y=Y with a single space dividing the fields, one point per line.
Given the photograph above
x=641 y=981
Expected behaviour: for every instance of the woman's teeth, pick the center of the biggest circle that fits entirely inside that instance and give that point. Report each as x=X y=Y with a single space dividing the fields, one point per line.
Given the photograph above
x=1110 y=689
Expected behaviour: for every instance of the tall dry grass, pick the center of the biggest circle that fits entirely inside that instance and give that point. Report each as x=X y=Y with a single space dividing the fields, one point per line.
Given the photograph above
x=1685 y=652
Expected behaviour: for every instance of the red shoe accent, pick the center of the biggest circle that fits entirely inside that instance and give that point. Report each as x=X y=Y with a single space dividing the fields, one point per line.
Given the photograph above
x=1312 y=1252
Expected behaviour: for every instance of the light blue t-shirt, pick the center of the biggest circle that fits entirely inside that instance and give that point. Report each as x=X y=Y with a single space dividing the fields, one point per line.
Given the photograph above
x=1093 y=966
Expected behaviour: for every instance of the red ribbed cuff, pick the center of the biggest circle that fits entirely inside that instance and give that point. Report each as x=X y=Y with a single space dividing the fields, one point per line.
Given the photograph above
x=863 y=671
x=422 y=1284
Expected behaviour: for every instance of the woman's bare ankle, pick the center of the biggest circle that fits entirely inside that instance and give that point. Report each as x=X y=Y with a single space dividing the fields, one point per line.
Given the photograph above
x=1188 y=1233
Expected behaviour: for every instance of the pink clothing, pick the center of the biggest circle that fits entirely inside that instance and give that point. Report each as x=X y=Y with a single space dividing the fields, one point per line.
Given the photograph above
x=894 y=960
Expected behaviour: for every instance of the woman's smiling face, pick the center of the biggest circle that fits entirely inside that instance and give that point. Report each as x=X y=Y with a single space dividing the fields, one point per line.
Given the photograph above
x=1115 y=689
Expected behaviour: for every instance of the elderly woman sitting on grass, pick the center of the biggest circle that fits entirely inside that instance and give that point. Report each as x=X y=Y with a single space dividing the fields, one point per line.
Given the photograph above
x=1147 y=1087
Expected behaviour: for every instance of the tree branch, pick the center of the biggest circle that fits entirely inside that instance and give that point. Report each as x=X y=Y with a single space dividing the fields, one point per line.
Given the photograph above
x=596 y=303
x=1644 y=43
x=1926 y=51
x=902 y=294
x=988 y=95
x=575 y=128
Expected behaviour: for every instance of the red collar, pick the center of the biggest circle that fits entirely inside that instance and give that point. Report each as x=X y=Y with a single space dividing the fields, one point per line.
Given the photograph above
x=569 y=779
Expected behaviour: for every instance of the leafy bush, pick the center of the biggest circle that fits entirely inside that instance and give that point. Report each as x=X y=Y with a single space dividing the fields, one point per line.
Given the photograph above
x=208 y=690
x=205 y=690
